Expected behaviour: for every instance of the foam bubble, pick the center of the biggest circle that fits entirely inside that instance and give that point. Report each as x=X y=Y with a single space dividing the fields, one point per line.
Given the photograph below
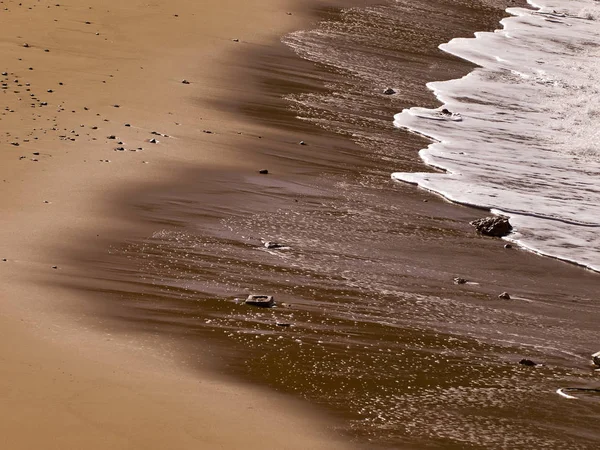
x=528 y=142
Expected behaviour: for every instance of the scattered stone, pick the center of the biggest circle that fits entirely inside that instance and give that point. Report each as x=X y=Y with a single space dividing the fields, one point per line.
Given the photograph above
x=16 y=144
x=282 y=324
x=504 y=296
x=185 y=82
x=153 y=141
x=389 y=91
x=493 y=226
x=458 y=280
x=262 y=301
x=116 y=106
x=112 y=136
x=596 y=358
x=55 y=267
x=235 y=40
x=263 y=171
x=4 y=74
x=207 y=131
x=527 y=362
x=46 y=50
x=120 y=149
x=26 y=45
x=302 y=143
x=127 y=124
x=507 y=246
x=50 y=91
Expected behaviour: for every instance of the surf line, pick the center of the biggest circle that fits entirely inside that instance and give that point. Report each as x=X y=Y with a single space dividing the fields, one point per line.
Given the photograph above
x=564 y=394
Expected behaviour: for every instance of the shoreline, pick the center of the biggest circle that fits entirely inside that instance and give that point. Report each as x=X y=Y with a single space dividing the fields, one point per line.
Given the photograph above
x=206 y=250
x=72 y=377
x=138 y=333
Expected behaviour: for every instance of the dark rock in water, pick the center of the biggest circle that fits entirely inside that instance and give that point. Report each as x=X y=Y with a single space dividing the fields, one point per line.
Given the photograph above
x=596 y=358
x=458 y=280
x=262 y=301
x=270 y=244
x=263 y=171
x=493 y=226
x=504 y=296
x=389 y=91
x=527 y=362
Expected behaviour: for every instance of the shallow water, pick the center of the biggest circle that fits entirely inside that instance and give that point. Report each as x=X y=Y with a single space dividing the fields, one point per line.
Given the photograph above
x=527 y=144
x=369 y=324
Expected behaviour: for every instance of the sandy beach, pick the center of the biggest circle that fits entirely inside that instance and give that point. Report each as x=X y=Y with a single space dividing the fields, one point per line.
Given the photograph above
x=134 y=217
x=84 y=87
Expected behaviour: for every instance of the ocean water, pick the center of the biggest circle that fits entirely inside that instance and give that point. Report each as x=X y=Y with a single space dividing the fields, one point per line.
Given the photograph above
x=524 y=141
x=369 y=325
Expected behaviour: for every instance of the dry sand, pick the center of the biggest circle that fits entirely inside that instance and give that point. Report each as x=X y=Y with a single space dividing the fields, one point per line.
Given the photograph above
x=77 y=73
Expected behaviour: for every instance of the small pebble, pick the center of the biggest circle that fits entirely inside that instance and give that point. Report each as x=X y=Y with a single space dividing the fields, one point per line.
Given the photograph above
x=263 y=171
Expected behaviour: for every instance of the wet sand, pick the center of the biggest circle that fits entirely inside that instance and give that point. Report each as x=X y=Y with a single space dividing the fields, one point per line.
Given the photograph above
x=86 y=87
x=378 y=333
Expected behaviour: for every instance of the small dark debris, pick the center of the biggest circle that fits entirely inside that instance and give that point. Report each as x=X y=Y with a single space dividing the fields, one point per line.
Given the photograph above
x=527 y=362
x=263 y=171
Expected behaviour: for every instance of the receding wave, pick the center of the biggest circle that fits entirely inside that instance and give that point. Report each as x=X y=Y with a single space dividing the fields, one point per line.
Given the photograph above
x=527 y=144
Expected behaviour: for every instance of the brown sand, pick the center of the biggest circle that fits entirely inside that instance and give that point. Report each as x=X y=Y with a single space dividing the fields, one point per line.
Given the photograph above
x=65 y=384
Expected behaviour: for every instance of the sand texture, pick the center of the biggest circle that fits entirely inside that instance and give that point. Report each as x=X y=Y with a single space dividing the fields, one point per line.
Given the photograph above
x=86 y=87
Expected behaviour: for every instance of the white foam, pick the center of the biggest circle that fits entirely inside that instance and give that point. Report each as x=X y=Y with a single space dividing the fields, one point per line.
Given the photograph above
x=528 y=144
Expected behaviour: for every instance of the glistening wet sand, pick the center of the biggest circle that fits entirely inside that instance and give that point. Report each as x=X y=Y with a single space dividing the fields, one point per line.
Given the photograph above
x=379 y=335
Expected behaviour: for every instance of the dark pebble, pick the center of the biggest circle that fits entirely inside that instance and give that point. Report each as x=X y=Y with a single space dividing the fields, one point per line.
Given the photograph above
x=527 y=362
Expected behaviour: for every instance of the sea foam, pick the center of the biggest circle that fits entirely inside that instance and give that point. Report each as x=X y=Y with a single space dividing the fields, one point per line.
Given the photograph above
x=528 y=142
